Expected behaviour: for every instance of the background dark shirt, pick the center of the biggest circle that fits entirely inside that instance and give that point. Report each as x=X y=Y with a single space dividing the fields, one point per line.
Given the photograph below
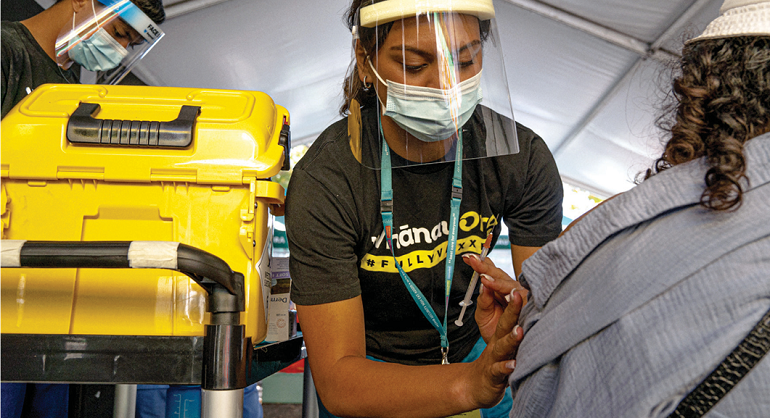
x=25 y=64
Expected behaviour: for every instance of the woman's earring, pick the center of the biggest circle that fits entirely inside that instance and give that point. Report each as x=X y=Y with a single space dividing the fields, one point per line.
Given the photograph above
x=366 y=87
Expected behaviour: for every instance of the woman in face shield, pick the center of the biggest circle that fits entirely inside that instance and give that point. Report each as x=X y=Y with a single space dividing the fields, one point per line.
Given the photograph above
x=387 y=202
x=391 y=207
x=108 y=36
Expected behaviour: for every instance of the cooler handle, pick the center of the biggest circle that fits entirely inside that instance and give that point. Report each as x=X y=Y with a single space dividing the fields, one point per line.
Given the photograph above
x=83 y=128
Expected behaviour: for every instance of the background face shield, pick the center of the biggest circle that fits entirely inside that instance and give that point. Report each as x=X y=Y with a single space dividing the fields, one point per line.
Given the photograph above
x=432 y=73
x=131 y=35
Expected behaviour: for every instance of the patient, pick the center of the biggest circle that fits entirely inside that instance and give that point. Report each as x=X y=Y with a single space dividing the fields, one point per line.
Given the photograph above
x=641 y=300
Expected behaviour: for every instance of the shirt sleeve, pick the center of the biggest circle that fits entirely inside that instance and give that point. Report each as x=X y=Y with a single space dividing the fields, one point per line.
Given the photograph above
x=323 y=263
x=537 y=217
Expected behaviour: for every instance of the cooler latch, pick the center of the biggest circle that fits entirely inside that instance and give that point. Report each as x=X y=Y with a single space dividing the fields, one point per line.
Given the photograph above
x=285 y=141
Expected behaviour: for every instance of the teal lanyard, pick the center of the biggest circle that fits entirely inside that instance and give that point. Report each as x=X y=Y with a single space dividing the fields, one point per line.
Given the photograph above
x=386 y=208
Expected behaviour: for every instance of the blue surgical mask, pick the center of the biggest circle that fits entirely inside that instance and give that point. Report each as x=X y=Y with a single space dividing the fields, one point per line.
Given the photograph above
x=99 y=52
x=425 y=113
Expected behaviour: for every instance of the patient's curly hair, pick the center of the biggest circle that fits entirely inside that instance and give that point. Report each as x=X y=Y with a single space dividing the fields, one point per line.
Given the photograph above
x=722 y=100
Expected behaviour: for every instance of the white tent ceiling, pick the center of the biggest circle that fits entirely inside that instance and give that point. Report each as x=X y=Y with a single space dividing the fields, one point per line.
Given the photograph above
x=587 y=75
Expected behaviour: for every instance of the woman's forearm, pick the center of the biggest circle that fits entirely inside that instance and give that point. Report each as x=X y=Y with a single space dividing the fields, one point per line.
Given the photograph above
x=359 y=387
x=351 y=385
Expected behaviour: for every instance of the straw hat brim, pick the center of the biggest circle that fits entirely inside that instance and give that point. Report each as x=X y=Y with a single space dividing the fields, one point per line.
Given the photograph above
x=750 y=20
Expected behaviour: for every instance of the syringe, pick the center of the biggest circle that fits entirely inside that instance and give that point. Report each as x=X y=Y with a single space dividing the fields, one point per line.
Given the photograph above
x=465 y=303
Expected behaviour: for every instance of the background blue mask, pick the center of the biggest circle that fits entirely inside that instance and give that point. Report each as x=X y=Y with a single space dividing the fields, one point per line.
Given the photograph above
x=99 y=52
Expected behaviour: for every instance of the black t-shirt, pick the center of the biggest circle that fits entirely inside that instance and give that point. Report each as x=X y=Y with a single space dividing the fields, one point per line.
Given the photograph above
x=25 y=64
x=338 y=251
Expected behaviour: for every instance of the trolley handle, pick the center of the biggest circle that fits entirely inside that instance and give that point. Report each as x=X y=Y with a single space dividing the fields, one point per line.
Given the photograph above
x=83 y=128
x=224 y=286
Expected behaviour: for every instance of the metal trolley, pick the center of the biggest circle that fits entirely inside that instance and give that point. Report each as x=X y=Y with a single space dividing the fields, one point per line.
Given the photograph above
x=223 y=361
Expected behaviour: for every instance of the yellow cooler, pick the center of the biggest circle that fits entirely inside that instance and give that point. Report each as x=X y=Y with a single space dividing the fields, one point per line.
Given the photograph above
x=149 y=164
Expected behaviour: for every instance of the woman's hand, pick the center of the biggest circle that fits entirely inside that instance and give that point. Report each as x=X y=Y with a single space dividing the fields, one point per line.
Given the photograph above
x=496 y=363
x=493 y=297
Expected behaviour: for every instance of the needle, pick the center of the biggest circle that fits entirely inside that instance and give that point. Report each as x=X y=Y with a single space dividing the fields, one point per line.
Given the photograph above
x=465 y=303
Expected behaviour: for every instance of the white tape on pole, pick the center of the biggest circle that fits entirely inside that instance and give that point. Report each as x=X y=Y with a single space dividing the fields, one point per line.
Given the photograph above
x=11 y=250
x=153 y=255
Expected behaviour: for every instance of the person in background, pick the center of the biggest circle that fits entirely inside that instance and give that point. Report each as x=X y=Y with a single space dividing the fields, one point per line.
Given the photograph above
x=635 y=306
x=426 y=164
x=51 y=46
x=104 y=36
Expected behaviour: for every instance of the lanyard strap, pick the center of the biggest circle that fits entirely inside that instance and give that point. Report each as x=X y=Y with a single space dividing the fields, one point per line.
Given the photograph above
x=386 y=209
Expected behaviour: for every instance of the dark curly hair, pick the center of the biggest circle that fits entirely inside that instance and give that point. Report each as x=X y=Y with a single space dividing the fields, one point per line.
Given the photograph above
x=722 y=100
x=353 y=88
x=152 y=8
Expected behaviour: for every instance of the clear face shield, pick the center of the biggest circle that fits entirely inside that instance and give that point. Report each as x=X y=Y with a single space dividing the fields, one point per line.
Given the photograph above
x=108 y=36
x=428 y=75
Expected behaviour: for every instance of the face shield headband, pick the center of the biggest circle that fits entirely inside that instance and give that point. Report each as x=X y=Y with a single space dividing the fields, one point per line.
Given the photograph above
x=91 y=41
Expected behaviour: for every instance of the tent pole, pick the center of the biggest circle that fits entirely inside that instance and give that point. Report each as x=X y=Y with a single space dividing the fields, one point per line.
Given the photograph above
x=584 y=25
x=643 y=49
x=185 y=7
x=654 y=51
